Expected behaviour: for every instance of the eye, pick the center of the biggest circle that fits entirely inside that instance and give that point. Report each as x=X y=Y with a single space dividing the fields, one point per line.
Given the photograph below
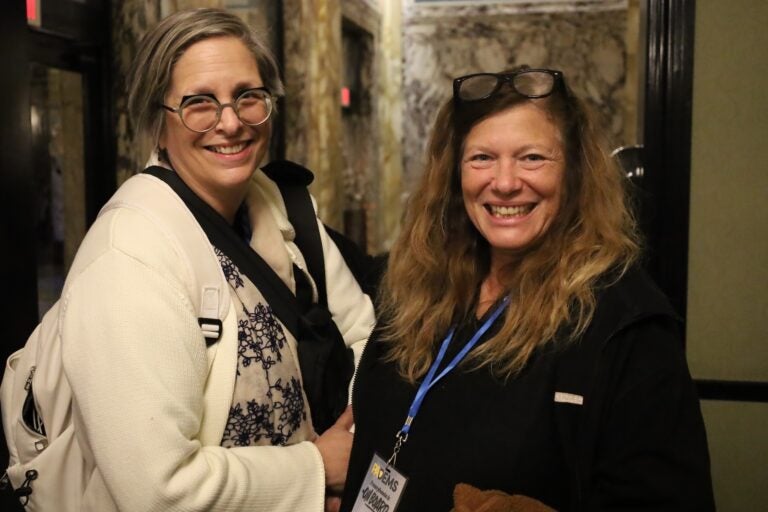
x=532 y=160
x=479 y=160
x=252 y=94
x=196 y=100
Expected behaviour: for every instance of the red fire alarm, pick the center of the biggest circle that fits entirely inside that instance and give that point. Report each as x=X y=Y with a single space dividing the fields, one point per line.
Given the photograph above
x=33 y=12
x=346 y=97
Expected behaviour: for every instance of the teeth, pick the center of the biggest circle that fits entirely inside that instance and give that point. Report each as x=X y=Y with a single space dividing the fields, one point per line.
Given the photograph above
x=228 y=150
x=509 y=211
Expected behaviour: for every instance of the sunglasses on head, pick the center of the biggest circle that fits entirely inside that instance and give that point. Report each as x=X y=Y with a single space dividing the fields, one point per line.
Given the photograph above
x=531 y=83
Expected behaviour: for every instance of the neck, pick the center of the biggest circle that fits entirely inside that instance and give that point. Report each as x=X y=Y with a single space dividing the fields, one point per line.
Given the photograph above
x=225 y=201
x=490 y=291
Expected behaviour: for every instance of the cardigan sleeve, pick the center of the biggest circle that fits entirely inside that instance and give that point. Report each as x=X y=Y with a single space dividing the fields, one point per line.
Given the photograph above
x=651 y=448
x=352 y=309
x=136 y=361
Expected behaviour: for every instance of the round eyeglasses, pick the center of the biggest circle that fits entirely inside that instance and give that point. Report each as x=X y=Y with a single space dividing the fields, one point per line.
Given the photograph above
x=202 y=112
x=531 y=83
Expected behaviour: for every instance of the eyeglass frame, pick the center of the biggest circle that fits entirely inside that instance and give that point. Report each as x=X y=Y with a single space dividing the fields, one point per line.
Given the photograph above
x=220 y=109
x=508 y=78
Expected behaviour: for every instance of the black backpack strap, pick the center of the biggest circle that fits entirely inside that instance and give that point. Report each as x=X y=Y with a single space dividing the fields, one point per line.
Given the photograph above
x=280 y=298
x=292 y=179
x=329 y=364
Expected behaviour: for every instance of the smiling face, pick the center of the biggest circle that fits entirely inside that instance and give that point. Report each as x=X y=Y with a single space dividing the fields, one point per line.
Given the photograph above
x=217 y=164
x=512 y=170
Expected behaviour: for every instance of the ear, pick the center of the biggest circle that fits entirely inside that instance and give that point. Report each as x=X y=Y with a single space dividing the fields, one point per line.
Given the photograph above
x=162 y=155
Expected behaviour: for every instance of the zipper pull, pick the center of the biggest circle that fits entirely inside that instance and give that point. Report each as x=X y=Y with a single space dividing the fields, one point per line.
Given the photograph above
x=28 y=384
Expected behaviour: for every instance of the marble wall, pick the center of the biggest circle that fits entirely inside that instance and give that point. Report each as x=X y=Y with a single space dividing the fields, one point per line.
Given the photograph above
x=390 y=111
x=329 y=45
x=312 y=70
x=586 y=40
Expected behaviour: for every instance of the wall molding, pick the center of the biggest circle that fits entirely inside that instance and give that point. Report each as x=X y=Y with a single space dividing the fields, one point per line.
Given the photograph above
x=460 y=8
x=732 y=390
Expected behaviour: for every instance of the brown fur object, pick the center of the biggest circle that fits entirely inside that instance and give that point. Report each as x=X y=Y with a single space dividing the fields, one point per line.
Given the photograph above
x=467 y=498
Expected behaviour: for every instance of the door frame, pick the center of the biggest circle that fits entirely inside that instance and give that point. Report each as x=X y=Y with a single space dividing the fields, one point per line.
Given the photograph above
x=667 y=144
x=666 y=184
x=75 y=37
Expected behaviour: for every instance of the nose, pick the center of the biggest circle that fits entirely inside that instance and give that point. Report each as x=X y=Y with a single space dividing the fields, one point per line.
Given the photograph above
x=506 y=178
x=229 y=122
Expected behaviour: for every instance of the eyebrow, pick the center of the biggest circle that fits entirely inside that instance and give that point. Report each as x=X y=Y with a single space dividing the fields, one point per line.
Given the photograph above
x=207 y=95
x=238 y=92
x=537 y=147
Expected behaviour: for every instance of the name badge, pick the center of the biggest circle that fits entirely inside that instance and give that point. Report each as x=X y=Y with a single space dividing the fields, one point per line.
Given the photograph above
x=382 y=487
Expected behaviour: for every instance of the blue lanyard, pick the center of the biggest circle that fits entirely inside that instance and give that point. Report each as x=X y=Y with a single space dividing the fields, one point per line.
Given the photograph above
x=430 y=380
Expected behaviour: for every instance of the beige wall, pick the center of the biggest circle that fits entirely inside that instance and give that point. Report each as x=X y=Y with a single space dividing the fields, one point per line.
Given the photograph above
x=728 y=263
x=738 y=448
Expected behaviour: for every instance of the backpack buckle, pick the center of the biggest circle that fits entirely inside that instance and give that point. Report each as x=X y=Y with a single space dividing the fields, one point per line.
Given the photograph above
x=211 y=328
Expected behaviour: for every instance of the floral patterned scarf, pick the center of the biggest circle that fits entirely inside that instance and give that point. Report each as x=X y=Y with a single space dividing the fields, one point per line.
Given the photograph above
x=268 y=403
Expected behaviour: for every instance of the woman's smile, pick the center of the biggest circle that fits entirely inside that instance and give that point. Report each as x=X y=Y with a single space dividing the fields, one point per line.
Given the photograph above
x=509 y=212
x=228 y=149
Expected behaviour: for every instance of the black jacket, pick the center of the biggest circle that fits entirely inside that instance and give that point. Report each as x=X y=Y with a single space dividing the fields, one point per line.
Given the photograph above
x=637 y=442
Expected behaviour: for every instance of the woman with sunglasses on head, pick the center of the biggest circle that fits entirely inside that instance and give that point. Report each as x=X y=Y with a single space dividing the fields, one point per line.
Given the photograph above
x=521 y=354
x=169 y=415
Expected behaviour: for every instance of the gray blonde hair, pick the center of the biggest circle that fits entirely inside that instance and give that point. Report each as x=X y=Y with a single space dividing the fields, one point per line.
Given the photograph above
x=150 y=75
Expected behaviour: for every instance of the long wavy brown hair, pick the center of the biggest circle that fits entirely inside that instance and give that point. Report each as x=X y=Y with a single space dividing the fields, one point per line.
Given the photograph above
x=439 y=261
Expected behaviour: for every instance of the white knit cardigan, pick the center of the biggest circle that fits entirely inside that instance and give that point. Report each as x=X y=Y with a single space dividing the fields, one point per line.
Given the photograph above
x=150 y=401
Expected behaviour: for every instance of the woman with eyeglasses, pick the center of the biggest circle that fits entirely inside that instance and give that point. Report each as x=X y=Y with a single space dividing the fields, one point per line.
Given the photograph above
x=173 y=410
x=522 y=359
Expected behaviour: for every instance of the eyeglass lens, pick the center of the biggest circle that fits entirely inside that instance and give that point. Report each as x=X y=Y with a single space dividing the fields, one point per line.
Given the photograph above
x=478 y=87
x=201 y=113
x=533 y=83
x=526 y=83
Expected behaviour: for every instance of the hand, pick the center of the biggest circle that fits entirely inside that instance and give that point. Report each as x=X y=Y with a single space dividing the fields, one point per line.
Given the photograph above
x=334 y=446
x=332 y=504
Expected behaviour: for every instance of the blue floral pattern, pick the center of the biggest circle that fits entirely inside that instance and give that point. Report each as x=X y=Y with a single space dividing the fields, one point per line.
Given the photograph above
x=275 y=422
x=268 y=405
x=230 y=270
x=260 y=338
